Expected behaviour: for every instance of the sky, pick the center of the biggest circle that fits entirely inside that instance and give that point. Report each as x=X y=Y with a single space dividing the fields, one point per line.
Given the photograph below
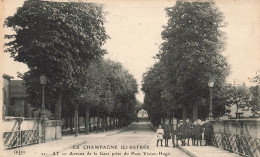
x=135 y=30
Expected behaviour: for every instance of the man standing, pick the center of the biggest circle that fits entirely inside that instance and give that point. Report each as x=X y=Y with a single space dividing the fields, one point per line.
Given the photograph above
x=187 y=131
x=208 y=132
x=174 y=132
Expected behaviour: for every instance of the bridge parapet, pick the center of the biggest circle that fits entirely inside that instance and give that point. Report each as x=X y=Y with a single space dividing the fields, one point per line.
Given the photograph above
x=20 y=131
x=239 y=135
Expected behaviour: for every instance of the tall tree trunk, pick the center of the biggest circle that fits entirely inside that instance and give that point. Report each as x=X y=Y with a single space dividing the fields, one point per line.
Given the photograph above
x=76 y=120
x=172 y=117
x=90 y=124
x=110 y=123
x=71 y=125
x=184 y=110
x=87 y=120
x=95 y=123
x=104 y=123
x=67 y=123
x=58 y=107
x=79 y=124
x=113 y=123
x=98 y=120
x=195 y=111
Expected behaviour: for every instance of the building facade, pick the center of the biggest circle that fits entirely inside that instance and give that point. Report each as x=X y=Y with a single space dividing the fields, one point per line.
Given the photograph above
x=14 y=98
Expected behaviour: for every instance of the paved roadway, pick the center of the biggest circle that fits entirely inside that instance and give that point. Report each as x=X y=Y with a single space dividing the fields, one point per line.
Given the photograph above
x=139 y=140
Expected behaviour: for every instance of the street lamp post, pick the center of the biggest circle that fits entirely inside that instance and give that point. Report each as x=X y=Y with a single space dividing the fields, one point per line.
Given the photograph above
x=43 y=80
x=210 y=84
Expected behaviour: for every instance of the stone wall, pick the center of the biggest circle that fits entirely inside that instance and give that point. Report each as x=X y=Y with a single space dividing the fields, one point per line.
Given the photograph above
x=6 y=93
x=53 y=130
x=242 y=127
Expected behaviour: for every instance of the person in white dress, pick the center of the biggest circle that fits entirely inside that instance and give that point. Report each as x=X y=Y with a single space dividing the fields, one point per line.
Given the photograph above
x=159 y=134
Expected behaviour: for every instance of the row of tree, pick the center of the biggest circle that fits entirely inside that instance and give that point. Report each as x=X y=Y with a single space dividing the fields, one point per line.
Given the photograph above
x=189 y=57
x=63 y=40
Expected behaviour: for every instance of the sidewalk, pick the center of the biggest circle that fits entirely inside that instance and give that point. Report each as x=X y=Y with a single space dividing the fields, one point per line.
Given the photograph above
x=206 y=151
x=202 y=151
x=67 y=142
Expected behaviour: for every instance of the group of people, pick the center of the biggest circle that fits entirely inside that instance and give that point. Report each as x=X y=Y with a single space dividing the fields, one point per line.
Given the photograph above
x=185 y=132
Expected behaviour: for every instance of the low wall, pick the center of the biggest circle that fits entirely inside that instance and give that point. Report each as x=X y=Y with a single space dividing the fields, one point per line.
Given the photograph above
x=53 y=130
x=19 y=131
x=242 y=127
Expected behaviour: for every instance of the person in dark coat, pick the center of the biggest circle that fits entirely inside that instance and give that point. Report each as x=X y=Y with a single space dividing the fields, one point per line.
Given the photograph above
x=193 y=132
x=167 y=133
x=187 y=131
x=180 y=133
x=174 y=133
x=208 y=132
x=199 y=131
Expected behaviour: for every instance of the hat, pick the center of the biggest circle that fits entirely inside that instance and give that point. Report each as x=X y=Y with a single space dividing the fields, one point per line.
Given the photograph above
x=181 y=120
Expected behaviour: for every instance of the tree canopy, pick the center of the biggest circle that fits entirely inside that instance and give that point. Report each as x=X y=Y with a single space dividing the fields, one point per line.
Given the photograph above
x=64 y=40
x=190 y=55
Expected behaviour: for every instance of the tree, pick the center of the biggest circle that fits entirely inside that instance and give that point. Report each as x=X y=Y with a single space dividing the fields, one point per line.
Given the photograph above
x=59 y=40
x=237 y=95
x=255 y=93
x=190 y=55
x=192 y=51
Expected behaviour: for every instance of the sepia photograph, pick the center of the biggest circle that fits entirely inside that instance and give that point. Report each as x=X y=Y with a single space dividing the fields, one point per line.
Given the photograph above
x=130 y=78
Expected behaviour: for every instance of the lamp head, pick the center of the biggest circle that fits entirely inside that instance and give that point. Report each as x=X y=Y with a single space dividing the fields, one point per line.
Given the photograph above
x=211 y=82
x=43 y=79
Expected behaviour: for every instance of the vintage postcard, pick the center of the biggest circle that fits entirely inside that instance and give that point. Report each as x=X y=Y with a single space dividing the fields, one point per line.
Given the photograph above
x=130 y=78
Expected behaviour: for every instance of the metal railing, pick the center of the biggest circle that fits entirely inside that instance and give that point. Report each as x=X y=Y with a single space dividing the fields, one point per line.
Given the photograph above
x=18 y=138
x=243 y=145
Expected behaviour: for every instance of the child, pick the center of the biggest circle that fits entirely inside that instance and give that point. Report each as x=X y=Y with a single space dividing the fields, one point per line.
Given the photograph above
x=193 y=132
x=187 y=131
x=180 y=133
x=174 y=132
x=167 y=133
x=199 y=131
x=159 y=134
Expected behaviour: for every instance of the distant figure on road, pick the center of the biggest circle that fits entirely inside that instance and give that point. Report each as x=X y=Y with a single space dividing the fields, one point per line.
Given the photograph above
x=187 y=131
x=208 y=132
x=180 y=133
x=159 y=134
x=167 y=133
